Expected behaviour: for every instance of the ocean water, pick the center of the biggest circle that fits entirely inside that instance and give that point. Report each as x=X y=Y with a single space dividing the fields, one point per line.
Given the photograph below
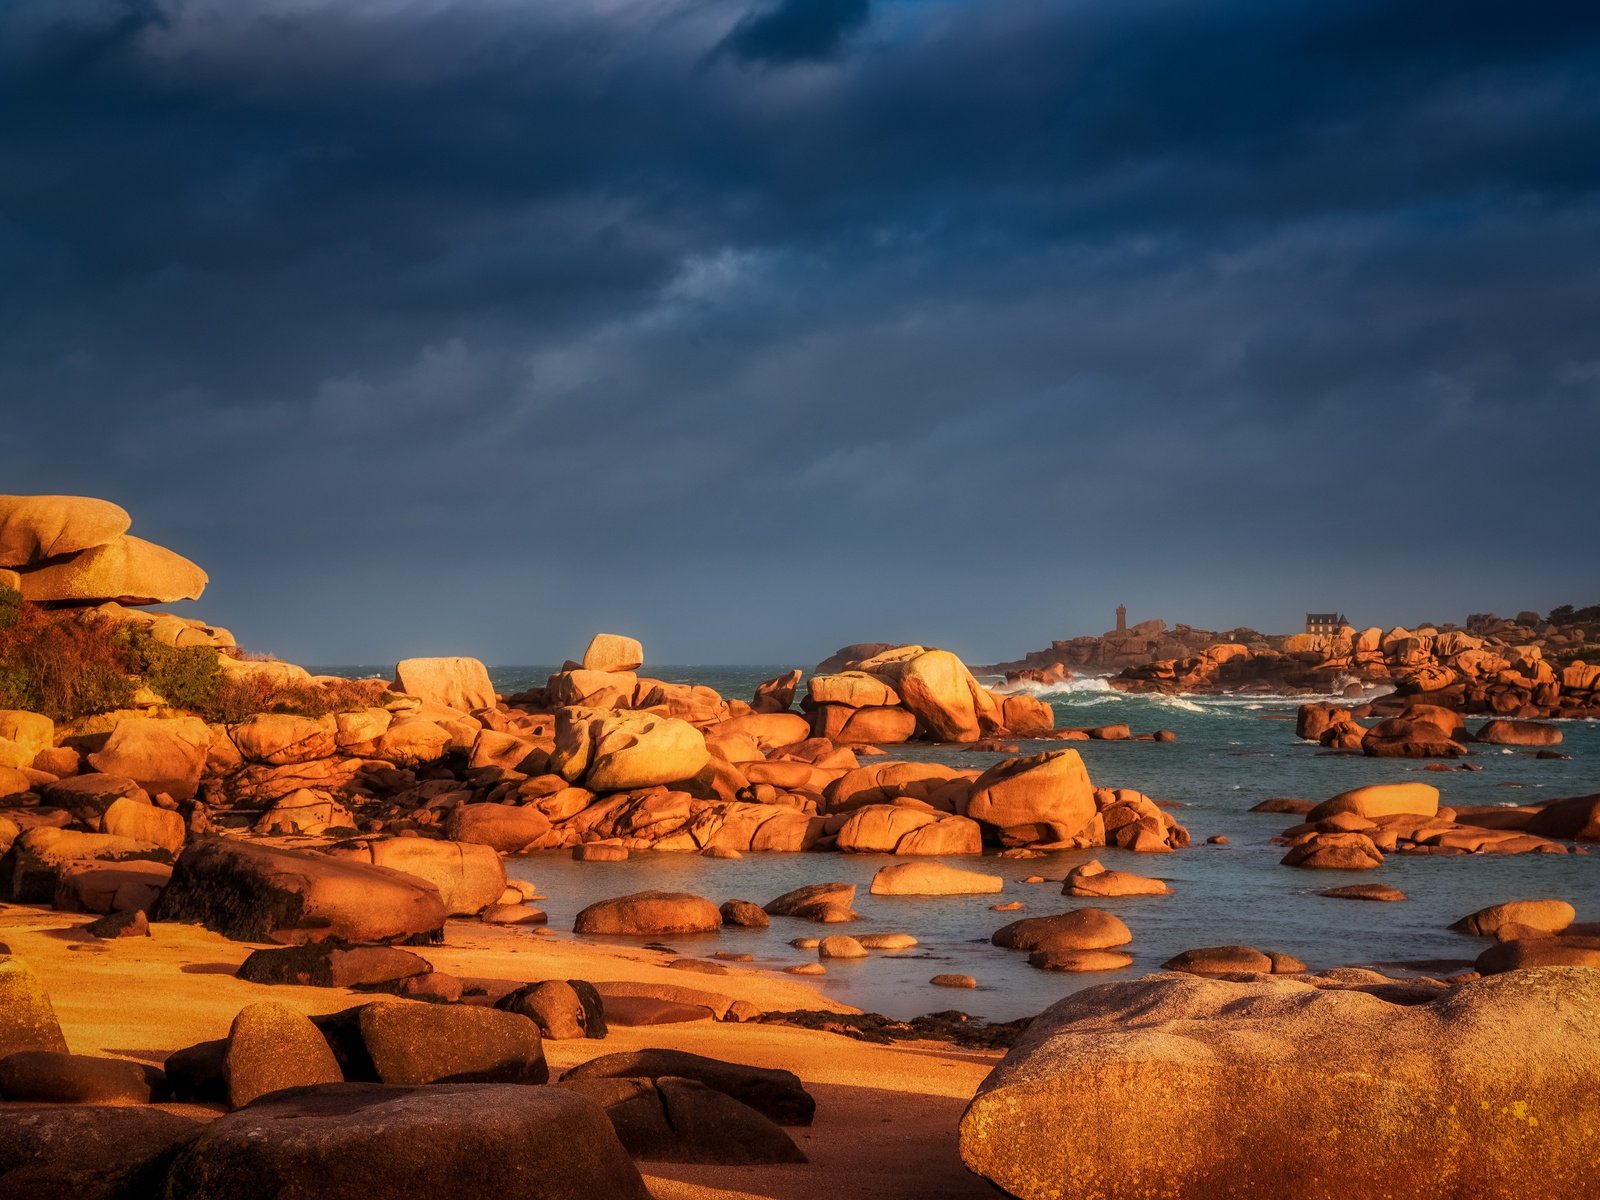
x=1230 y=754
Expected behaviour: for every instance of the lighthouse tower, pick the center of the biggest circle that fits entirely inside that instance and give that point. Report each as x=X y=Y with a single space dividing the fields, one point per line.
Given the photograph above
x=1122 y=618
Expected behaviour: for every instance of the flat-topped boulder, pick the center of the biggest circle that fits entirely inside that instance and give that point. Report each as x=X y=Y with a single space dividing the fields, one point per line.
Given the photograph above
x=469 y=877
x=933 y=879
x=1230 y=960
x=1381 y=800
x=651 y=912
x=459 y=683
x=613 y=652
x=34 y=528
x=508 y=828
x=355 y=1141
x=1212 y=1089
x=127 y=570
x=1079 y=929
x=1501 y=732
x=257 y=893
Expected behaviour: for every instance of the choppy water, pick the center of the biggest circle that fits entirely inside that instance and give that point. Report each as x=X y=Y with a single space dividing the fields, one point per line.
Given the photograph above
x=1230 y=754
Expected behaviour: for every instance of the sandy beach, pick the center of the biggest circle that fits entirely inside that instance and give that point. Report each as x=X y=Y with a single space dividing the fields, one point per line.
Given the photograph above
x=886 y=1115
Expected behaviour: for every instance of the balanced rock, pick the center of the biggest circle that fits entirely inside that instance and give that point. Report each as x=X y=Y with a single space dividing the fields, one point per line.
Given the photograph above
x=34 y=528
x=127 y=570
x=613 y=652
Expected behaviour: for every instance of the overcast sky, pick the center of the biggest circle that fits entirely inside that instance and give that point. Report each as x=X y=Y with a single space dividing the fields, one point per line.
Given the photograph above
x=753 y=329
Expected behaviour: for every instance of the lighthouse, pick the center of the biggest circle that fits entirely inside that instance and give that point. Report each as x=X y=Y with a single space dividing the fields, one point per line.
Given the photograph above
x=1122 y=618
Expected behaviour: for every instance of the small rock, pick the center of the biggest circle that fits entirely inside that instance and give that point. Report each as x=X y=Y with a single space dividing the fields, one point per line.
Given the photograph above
x=954 y=981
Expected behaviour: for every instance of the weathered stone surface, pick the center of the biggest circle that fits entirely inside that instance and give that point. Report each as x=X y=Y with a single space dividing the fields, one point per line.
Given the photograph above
x=1092 y=879
x=271 y=1047
x=86 y=1152
x=802 y=901
x=160 y=755
x=280 y=739
x=1040 y=798
x=469 y=877
x=618 y=751
x=27 y=1018
x=649 y=913
x=1577 y=818
x=508 y=828
x=556 y=1007
x=412 y=1043
x=33 y=528
x=55 y=1077
x=1519 y=733
x=933 y=879
x=127 y=569
x=1335 y=852
x=853 y=689
x=947 y=700
x=1080 y=929
x=256 y=893
x=110 y=887
x=1234 y=1090
x=613 y=652
x=744 y=914
x=127 y=818
x=671 y=1119
x=776 y=1093
x=1227 y=960
x=1546 y=916
x=360 y=1141
x=33 y=732
x=1381 y=800
x=459 y=683
x=1525 y=953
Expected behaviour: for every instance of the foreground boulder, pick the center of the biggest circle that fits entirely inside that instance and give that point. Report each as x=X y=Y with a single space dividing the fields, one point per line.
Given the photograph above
x=649 y=912
x=271 y=1047
x=255 y=893
x=1542 y=916
x=34 y=528
x=1040 y=798
x=410 y=1042
x=1235 y=1091
x=127 y=570
x=78 y=1152
x=53 y=1077
x=681 y=1120
x=776 y=1093
x=357 y=1141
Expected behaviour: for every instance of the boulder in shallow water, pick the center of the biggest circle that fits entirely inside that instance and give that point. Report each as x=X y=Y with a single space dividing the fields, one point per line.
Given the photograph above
x=649 y=913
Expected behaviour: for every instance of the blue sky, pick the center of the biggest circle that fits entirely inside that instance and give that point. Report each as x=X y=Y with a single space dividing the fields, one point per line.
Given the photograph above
x=755 y=328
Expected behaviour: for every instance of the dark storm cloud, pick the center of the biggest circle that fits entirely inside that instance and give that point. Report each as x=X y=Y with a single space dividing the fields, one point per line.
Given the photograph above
x=478 y=325
x=797 y=30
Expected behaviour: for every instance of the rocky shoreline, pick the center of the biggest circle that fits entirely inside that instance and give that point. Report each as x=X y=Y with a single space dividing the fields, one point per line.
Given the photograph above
x=257 y=921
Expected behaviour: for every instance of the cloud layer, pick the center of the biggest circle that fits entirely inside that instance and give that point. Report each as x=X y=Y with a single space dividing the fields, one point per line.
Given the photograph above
x=475 y=326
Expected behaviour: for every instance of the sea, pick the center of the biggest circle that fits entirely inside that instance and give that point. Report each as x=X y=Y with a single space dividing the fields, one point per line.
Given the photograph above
x=1230 y=754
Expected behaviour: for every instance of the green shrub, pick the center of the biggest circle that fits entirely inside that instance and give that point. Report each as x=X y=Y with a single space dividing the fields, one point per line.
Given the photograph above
x=11 y=603
x=63 y=666
x=185 y=677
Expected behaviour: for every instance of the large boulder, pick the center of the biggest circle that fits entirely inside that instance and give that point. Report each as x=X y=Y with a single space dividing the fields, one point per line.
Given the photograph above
x=772 y=1091
x=649 y=913
x=933 y=879
x=357 y=1141
x=1079 y=929
x=128 y=818
x=947 y=700
x=34 y=528
x=160 y=755
x=271 y=1047
x=1381 y=800
x=811 y=899
x=613 y=652
x=1519 y=733
x=280 y=739
x=618 y=751
x=459 y=683
x=256 y=893
x=128 y=570
x=86 y=1152
x=1041 y=798
x=1184 y=1086
x=32 y=870
x=331 y=964
x=1577 y=818
x=33 y=733
x=408 y=1042
x=508 y=828
x=1546 y=916
x=852 y=689
x=27 y=1018
x=469 y=877
x=682 y=1120
x=1093 y=879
